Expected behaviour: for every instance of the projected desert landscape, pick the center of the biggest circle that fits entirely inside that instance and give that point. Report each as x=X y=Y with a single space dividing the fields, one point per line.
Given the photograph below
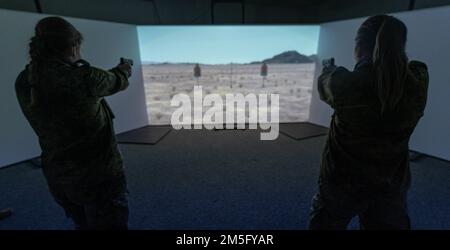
x=289 y=74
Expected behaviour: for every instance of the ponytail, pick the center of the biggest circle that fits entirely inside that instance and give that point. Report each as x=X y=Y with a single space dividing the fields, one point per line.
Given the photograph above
x=383 y=39
x=35 y=51
x=390 y=62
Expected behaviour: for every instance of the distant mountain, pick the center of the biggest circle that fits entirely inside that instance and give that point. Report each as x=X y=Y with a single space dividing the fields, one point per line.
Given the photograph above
x=291 y=56
x=314 y=58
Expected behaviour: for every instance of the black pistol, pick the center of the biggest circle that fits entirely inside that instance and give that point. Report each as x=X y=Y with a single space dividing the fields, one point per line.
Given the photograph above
x=328 y=62
x=125 y=60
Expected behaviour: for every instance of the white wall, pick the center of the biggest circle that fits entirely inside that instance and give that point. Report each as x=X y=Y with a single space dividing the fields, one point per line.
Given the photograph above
x=104 y=44
x=428 y=41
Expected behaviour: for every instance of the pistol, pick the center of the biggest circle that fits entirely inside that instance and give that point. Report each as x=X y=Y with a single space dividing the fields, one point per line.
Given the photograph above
x=328 y=62
x=125 y=60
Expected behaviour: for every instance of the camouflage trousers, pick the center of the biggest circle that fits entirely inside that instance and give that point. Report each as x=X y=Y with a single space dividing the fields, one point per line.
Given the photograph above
x=100 y=207
x=333 y=209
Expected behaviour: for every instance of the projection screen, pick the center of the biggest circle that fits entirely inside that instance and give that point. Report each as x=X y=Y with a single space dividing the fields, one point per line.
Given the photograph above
x=229 y=59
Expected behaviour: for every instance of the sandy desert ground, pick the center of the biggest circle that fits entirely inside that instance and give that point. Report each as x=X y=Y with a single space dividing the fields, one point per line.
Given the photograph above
x=293 y=83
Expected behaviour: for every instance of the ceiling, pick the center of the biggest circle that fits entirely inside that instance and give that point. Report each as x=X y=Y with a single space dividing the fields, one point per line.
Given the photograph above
x=218 y=11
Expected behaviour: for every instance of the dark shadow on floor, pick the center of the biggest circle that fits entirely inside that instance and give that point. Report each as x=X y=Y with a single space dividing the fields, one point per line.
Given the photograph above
x=219 y=180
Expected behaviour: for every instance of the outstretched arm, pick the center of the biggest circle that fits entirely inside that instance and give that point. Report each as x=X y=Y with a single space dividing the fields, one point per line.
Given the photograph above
x=104 y=83
x=328 y=84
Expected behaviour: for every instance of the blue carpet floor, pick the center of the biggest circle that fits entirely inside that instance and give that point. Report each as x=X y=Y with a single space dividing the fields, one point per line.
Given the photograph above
x=219 y=180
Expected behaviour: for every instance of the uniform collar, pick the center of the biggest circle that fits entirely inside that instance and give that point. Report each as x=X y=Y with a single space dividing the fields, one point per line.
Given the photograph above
x=77 y=64
x=365 y=62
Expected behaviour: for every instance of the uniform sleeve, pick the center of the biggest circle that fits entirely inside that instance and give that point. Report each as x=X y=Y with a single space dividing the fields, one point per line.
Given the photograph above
x=420 y=72
x=330 y=83
x=104 y=83
x=22 y=92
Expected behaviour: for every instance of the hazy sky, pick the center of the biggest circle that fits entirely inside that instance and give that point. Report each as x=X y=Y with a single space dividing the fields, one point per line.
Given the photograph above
x=224 y=44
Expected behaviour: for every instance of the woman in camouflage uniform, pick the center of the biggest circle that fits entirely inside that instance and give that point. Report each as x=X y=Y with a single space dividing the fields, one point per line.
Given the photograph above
x=62 y=98
x=365 y=164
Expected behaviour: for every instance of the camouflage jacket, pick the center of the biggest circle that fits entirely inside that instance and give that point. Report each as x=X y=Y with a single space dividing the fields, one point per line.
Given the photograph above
x=73 y=121
x=365 y=150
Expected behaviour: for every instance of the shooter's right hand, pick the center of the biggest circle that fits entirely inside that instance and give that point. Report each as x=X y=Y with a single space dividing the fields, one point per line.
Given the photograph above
x=126 y=68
